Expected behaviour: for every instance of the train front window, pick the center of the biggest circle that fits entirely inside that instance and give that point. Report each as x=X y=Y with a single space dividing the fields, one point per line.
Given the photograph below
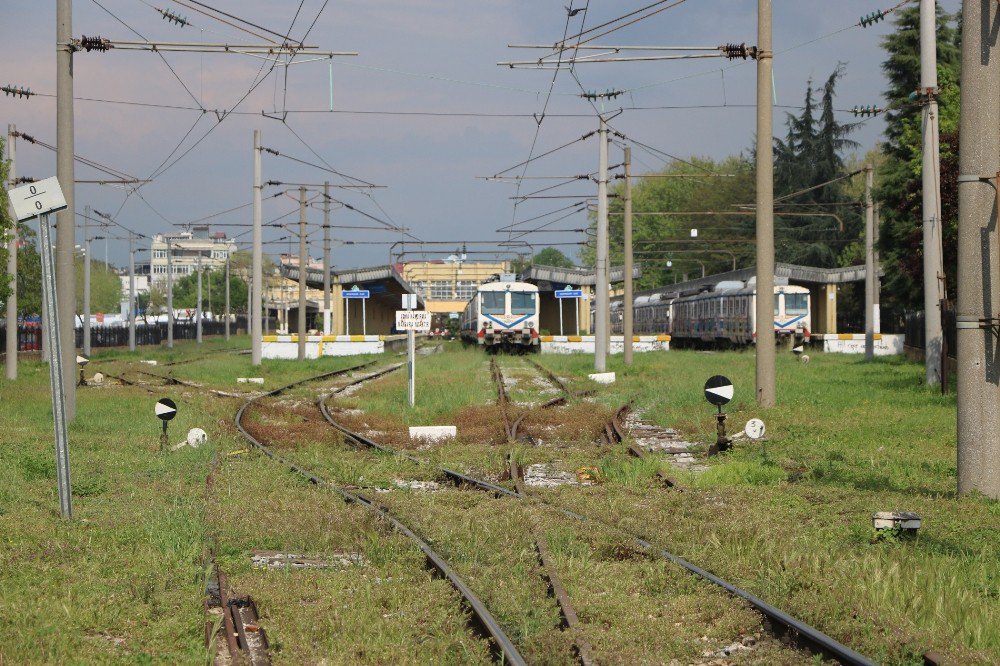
x=522 y=302
x=493 y=302
x=796 y=304
x=777 y=305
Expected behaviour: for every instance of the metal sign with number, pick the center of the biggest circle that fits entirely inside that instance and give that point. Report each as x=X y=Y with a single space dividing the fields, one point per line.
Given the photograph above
x=755 y=429
x=39 y=198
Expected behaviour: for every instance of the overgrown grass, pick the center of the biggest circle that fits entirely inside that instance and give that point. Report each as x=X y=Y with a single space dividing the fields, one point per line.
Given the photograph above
x=790 y=518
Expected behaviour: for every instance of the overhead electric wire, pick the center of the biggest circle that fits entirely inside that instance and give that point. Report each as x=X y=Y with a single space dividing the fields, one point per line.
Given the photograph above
x=287 y=38
x=162 y=57
x=547 y=153
x=111 y=171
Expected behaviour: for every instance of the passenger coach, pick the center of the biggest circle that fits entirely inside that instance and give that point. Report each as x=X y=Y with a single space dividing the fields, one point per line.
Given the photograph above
x=503 y=315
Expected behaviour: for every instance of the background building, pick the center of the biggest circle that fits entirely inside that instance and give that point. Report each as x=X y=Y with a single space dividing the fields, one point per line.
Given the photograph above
x=187 y=247
x=447 y=285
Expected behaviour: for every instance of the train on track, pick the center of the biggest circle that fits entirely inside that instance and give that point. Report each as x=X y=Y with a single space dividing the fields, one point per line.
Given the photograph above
x=503 y=316
x=724 y=316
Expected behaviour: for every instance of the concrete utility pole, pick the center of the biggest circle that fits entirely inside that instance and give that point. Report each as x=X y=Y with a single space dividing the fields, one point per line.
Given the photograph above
x=870 y=277
x=766 y=393
x=66 y=219
x=877 y=286
x=978 y=273
x=303 y=267
x=197 y=327
x=170 y=295
x=131 y=291
x=257 y=271
x=11 y=347
x=327 y=313
x=227 y=297
x=934 y=292
x=601 y=318
x=86 y=282
x=627 y=325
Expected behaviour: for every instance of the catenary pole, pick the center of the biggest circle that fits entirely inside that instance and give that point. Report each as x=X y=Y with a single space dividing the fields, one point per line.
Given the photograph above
x=303 y=267
x=11 y=346
x=170 y=295
x=870 y=277
x=877 y=286
x=66 y=219
x=86 y=281
x=327 y=313
x=198 y=310
x=931 y=186
x=766 y=393
x=627 y=323
x=131 y=291
x=257 y=271
x=601 y=318
x=227 y=297
x=978 y=397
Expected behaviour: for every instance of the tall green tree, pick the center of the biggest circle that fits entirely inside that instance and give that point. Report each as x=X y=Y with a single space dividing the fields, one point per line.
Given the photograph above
x=700 y=194
x=213 y=292
x=552 y=256
x=105 y=287
x=811 y=154
x=899 y=186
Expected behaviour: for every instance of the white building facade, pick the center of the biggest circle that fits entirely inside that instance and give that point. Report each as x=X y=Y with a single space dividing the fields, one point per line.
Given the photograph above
x=186 y=247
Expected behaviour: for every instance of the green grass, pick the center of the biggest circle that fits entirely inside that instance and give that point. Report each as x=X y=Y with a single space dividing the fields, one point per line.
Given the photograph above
x=787 y=519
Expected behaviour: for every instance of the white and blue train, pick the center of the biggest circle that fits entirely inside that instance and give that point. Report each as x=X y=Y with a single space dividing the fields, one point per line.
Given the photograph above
x=503 y=316
x=723 y=316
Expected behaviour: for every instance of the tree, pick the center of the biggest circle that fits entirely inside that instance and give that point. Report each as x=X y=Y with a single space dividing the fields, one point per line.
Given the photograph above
x=899 y=186
x=553 y=257
x=105 y=287
x=810 y=155
x=661 y=232
x=213 y=292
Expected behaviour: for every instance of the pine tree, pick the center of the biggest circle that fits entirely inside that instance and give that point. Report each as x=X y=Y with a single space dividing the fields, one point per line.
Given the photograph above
x=899 y=184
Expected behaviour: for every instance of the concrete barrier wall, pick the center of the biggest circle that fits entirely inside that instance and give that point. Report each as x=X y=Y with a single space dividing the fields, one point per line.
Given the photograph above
x=854 y=343
x=287 y=346
x=584 y=344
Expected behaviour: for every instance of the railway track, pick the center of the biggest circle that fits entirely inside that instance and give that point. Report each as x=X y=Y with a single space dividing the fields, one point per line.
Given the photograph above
x=780 y=623
x=504 y=648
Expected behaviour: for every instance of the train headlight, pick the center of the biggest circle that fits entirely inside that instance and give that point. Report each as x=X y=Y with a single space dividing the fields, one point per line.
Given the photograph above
x=531 y=324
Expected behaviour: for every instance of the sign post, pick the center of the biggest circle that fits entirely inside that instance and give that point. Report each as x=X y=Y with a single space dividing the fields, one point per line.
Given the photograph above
x=166 y=409
x=575 y=294
x=719 y=391
x=363 y=294
x=38 y=200
x=411 y=321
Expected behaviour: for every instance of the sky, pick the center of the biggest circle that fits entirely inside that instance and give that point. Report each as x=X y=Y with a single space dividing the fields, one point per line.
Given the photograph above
x=415 y=57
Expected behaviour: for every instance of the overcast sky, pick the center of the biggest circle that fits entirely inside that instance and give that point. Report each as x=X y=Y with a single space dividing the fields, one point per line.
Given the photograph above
x=435 y=56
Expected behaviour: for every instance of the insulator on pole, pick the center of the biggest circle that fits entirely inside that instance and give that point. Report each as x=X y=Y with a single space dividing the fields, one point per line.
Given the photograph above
x=871 y=19
x=16 y=91
x=865 y=111
x=173 y=17
x=734 y=51
x=94 y=43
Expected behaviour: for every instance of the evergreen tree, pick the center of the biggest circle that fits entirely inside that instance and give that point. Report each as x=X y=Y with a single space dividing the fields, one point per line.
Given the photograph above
x=810 y=155
x=899 y=186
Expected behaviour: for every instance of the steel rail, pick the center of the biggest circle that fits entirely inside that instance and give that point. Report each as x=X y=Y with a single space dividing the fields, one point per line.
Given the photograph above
x=482 y=614
x=614 y=432
x=800 y=632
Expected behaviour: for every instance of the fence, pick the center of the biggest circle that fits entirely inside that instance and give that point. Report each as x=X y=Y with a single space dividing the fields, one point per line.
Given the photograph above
x=29 y=336
x=915 y=337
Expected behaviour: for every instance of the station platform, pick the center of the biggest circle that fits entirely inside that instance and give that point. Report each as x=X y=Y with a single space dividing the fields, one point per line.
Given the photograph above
x=287 y=346
x=854 y=343
x=584 y=344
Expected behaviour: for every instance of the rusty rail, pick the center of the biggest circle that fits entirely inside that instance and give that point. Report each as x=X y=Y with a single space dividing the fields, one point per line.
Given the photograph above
x=506 y=651
x=584 y=650
x=614 y=433
x=800 y=633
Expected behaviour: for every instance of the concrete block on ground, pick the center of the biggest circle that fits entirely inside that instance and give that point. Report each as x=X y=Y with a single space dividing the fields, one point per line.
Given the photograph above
x=584 y=344
x=433 y=433
x=603 y=377
x=249 y=380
